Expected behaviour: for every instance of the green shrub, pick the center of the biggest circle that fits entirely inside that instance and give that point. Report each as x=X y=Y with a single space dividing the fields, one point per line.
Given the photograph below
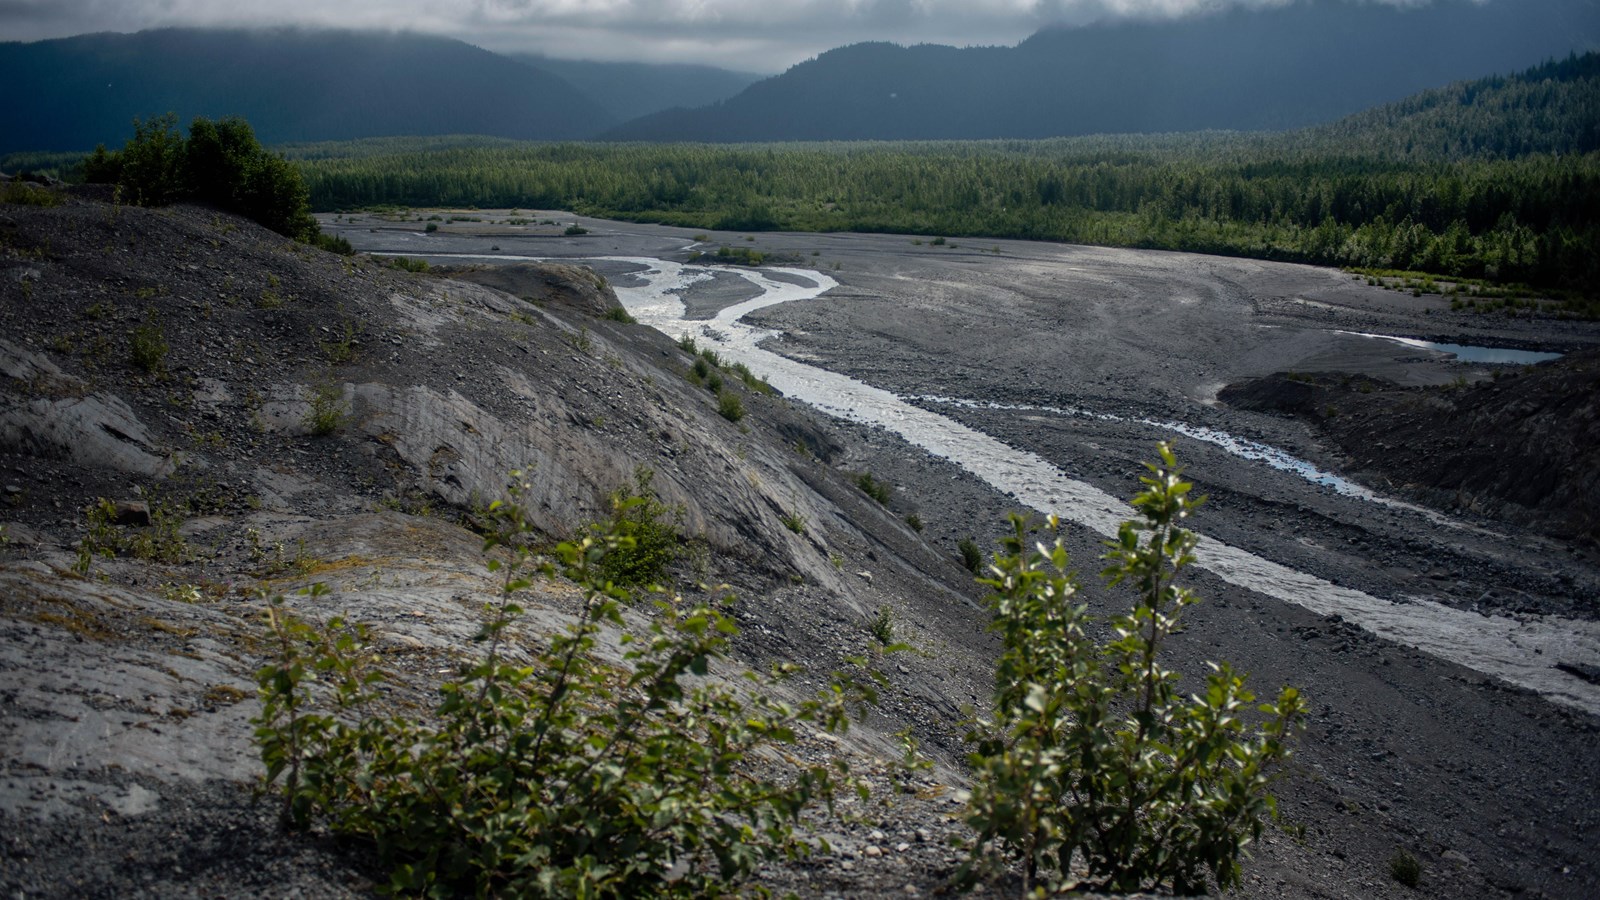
x=686 y=343
x=24 y=193
x=971 y=556
x=568 y=776
x=730 y=406
x=160 y=541
x=881 y=626
x=877 y=490
x=1094 y=756
x=1405 y=868
x=575 y=229
x=410 y=265
x=333 y=244
x=795 y=522
x=147 y=346
x=750 y=378
x=327 y=412
x=915 y=521
x=651 y=528
x=620 y=314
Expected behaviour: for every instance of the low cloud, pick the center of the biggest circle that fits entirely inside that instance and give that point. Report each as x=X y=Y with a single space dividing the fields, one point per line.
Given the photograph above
x=760 y=37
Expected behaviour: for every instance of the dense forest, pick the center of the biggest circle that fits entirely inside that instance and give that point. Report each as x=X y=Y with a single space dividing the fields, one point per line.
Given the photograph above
x=1496 y=179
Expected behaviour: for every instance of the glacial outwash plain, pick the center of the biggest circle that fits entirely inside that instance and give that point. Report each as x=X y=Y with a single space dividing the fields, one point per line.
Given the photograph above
x=1440 y=613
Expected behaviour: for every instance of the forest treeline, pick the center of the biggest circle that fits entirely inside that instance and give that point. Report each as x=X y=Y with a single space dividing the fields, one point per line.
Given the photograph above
x=1531 y=219
x=1496 y=179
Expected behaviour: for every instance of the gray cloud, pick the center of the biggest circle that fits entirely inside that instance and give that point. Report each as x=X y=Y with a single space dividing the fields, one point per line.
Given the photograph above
x=765 y=36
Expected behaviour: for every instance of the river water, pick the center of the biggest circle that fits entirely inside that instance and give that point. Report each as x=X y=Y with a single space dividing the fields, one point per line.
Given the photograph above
x=1468 y=352
x=1518 y=650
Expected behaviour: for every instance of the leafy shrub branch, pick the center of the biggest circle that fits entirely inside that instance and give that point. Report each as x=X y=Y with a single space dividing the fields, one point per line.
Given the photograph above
x=1094 y=758
x=568 y=776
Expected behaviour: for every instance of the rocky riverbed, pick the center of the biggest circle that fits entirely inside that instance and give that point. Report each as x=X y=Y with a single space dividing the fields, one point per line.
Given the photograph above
x=126 y=696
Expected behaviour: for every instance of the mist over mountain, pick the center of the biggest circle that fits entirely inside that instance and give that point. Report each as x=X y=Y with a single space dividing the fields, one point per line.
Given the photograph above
x=292 y=85
x=627 y=91
x=1280 y=68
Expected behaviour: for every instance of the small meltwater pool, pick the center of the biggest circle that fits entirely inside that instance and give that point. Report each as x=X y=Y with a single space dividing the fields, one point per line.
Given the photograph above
x=1469 y=353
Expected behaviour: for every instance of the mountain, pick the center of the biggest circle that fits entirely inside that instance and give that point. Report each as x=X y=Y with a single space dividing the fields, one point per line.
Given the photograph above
x=1549 y=108
x=627 y=91
x=1279 y=68
x=292 y=84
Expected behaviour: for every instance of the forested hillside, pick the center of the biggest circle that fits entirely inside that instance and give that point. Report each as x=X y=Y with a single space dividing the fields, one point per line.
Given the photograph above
x=1380 y=190
x=1287 y=66
x=1551 y=108
x=291 y=84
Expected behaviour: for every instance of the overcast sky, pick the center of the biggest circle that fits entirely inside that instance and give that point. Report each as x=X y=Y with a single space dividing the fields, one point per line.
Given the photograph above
x=752 y=35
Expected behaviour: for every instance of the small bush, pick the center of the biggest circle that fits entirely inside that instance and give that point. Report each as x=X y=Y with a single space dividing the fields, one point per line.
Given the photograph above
x=749 y=378
x=566 y=776
x=333 y=244
x=729 y=406
x=877 y=490
x=24 y=193
x=620 y=314
x=915 y=521
x=795 y=522
x=430 y=228
x=408 y=265
x=341 y=348
x=1405 y=868
x=881 y=626
x=147 y=346
x=1095 y=758
x=971 y=556
x=160 y=541
x=575 y=229
x=686 y=344
x=714 y=381
x=327 y=412
x=651 y=527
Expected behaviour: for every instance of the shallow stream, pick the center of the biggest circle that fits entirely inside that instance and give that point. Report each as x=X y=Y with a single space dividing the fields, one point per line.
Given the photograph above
x=1519 y=650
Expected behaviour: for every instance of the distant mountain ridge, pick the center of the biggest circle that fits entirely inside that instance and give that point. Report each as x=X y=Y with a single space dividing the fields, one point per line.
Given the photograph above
x=1272 y=69
x=292 y=85
x=628 y=91
x=1549 y=108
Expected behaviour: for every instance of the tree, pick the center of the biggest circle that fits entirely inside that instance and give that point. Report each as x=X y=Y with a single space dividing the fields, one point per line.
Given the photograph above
x=221 y=164
x=1094 y=753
